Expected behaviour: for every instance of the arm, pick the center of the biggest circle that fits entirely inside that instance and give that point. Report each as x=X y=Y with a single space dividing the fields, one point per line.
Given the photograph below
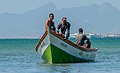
x=45 y=26
x=76 y=39
x=68 y=25
x=88 y=43
x=54 y=27
x=68 y=30
x=87 y=39
x=58 y=27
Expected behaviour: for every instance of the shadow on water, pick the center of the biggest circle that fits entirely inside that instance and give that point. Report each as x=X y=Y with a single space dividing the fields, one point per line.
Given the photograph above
x=56 y=68
x=66 y=67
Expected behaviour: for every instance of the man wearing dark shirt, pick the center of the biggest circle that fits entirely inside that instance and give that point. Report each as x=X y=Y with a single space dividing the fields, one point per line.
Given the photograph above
x=81 y=38
x=64 y=26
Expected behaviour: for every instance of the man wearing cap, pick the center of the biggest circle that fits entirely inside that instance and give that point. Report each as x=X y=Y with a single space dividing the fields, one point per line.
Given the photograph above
x=49 y=23
x=81 y=38
x=64 y=26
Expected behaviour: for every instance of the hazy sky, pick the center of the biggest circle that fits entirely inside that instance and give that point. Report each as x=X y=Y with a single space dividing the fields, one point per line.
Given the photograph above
x=21 y=6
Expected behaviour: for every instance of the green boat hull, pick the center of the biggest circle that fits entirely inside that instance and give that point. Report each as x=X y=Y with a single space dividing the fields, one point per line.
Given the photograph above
x=53 y=54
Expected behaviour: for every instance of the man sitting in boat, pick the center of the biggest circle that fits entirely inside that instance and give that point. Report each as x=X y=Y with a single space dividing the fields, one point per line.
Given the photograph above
x=49 y=23
x=81 y=38
x=65 y=28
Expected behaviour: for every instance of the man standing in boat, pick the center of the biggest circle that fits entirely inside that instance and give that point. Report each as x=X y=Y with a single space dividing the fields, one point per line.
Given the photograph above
x=49 y=23
x=81 y=38
x=65 y=28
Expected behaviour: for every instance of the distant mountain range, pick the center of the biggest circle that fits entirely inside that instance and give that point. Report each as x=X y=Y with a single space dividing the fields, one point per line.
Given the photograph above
x=93 y=18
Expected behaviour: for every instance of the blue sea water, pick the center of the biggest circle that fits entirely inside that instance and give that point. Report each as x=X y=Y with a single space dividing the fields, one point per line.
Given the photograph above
x=19 y=56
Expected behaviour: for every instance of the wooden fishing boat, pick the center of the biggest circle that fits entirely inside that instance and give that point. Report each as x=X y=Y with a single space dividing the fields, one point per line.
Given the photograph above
x=53 y=48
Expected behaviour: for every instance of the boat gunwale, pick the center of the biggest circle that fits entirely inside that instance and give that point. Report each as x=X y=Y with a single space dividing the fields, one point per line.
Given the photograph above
x=41 y=39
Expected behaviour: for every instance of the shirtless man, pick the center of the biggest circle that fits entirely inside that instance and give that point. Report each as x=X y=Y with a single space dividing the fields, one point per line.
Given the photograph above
x=49 y=23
